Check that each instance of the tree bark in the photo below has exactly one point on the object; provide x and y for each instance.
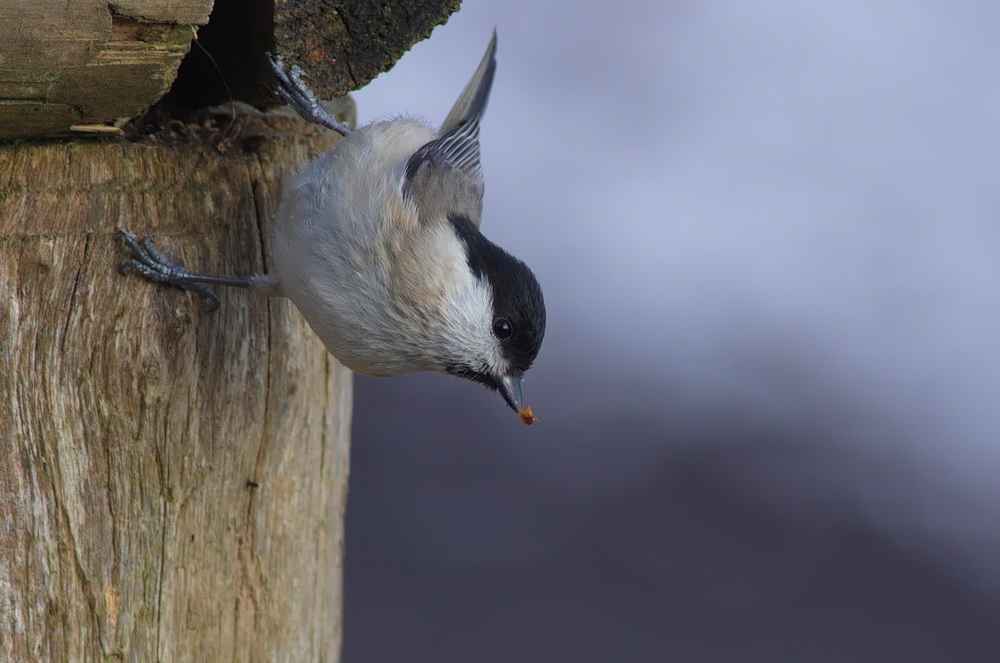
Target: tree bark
(77, 65)
(344, 44)
(134, 425)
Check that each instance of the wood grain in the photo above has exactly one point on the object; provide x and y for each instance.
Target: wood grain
(69, 61)
(131, 421)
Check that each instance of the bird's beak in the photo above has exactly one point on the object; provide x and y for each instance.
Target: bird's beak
(510, 389)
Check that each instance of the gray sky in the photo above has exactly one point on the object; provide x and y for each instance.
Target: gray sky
(789, 207)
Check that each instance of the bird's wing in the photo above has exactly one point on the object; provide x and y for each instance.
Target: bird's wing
(472, 102)
(448, 167)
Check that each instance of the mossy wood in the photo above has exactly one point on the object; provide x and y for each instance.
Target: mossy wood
(172, 482)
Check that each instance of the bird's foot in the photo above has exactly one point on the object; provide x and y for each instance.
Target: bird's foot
(151, 265)
(297, 94)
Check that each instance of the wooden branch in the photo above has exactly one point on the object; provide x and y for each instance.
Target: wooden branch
(350, 42)
(131, 421)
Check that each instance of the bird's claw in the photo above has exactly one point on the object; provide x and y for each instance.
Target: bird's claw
(294, 92)
(151, 265)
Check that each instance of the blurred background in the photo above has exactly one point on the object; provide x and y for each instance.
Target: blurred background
(768, 237)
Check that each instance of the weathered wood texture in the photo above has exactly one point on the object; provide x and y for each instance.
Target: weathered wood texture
(344, 44)
(69, 61)
(83, 63)
(131, 421)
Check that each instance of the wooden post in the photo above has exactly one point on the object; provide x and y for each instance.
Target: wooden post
(172, 482)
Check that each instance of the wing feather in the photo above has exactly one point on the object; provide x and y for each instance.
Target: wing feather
(447, 171)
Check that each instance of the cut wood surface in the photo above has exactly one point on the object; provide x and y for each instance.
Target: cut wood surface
(134, 425)
(69, 61)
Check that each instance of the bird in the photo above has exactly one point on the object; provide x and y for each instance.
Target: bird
(378, 244)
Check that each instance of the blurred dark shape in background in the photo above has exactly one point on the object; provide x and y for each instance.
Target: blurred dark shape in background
(480, 541)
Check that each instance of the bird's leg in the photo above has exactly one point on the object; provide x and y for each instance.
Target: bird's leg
(151, 265)
(297, 94)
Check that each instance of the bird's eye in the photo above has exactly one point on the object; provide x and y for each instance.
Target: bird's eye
(502, 328)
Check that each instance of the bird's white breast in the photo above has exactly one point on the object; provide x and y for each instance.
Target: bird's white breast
(342, 240)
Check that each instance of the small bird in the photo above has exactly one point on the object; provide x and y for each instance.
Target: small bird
(377, 243)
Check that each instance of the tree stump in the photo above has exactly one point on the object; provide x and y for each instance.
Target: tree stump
(172, 482)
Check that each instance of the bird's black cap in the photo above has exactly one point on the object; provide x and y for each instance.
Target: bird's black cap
(517, 296)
